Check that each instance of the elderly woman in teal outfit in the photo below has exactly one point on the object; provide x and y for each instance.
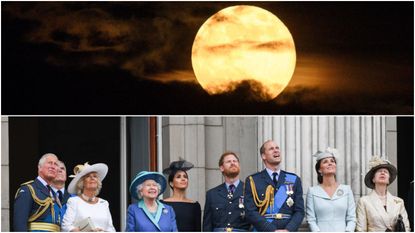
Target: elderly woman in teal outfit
(149, 214)
(330, 206)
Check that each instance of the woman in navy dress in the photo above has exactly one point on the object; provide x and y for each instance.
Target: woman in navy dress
(188, 212)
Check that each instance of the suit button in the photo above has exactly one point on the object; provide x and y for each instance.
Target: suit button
(217, 208)
(229, 224)
(230, 202)
(230, 213)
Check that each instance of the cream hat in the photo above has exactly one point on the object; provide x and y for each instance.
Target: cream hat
(376, 163)
(81, 170)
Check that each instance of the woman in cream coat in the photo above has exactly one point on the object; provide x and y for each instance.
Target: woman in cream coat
(330, 206)
(379, 210)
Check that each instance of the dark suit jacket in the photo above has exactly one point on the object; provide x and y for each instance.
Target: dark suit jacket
(24, 206)
(262, 180)
(220, 210)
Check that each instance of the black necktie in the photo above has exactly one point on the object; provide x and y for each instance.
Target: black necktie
(274, 178)
(231, 188)
(60, 196)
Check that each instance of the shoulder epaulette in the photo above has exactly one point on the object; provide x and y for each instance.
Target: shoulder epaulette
(26, 183)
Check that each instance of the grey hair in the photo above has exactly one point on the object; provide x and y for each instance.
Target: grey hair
(140, 186)
(42, 160)
(80, 186)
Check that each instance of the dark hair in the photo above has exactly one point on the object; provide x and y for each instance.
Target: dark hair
(172, 174)
(222, 157)
(319, 176)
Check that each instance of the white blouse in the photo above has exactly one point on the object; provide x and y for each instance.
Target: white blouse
(79, 209)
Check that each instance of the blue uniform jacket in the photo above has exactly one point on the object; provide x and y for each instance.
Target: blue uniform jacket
(260, 223)
(221, 212)
(25, 206)
(138, 221)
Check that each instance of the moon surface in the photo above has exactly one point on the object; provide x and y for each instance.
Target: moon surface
(244, 44)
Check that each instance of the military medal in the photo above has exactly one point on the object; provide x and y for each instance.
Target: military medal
(289, 189)
(241, 202)
(290, 201)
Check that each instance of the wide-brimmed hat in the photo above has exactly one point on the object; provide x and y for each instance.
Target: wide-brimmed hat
(328, 152)
(181, 165)
(145, 175)
(82, 169)
(376, 163)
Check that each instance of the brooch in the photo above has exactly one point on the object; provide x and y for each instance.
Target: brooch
(340, 192)
(165, 211)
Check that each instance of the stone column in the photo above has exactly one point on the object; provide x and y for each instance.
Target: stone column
(356, 139)
(5, 205)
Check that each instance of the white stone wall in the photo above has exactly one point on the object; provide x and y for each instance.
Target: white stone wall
(5, 205)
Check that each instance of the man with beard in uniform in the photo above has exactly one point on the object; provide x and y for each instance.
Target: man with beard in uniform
(273, 197)
(224, 207)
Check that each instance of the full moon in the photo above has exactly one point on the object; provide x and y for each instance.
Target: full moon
(244, 44)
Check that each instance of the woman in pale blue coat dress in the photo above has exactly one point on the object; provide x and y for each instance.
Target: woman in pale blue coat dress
(330, 206)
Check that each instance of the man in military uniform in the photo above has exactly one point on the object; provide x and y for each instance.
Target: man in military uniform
(273, 197)
(224, 207)
(35, 207)
(58, 186)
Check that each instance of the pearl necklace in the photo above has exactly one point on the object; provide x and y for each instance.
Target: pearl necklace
(88, 199)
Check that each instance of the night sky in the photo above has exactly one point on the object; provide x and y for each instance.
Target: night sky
(134, 58)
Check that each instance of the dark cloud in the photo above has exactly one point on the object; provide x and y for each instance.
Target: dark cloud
(275, 45)
(135, 58)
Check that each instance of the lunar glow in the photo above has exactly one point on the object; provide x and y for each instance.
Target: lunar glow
(244, 43)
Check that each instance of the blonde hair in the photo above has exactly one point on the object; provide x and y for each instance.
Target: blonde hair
(80, 186)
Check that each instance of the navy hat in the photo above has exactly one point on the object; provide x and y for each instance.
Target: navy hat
(145, 175)
(181, 165)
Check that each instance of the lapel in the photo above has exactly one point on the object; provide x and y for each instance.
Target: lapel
(43, 189)
(281, 179)
(266, 178)
(222, 191)
(377, 204)
(319, 192)
(391, 206)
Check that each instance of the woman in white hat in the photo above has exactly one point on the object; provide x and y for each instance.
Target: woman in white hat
(86, 211)
(330, 205)
(149, 214)
(380, 210)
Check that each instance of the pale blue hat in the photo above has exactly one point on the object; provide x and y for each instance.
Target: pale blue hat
(329, 152)
(145, 175)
